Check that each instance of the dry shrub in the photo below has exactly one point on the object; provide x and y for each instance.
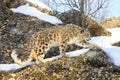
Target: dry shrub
(110, 22)
(116, 44)
(96, 30)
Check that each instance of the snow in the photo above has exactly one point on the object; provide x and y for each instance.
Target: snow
(113, 52)
(104, 41)
(39, 3)
(77, 52)
(71, 54)
(9, 67)
(31, 11)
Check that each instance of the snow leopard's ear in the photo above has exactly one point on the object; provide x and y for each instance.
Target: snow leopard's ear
(82, 31)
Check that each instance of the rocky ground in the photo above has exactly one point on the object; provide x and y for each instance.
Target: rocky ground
(15, 29)
(77, 68)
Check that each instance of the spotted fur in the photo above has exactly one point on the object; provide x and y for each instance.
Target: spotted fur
(42, 41)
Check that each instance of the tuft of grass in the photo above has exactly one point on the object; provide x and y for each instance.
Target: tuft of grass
(116, 44)
(97, 30)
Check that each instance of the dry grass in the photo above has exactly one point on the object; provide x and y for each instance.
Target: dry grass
(116, 44)
(97, 30)
(110, 22)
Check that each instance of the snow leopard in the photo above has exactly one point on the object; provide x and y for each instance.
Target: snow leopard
(40, 43)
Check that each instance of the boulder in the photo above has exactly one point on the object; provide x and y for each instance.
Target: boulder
(73, 16)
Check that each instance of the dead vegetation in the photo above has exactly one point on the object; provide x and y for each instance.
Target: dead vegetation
(116, 44)
(110, 22)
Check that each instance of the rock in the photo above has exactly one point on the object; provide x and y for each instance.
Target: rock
(19, 29)
(73, 16)
(14, 3)
(92, 65)
(97, 57)
(15, 29)
(5, 14)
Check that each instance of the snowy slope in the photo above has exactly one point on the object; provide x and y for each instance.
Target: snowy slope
(9, 67)
(105, 43)
(28, 10)
(114, 54)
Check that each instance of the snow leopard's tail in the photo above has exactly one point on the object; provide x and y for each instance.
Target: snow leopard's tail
(20, 61)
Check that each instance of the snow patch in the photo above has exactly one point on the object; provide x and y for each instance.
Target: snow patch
(77, 52)
(106, 44)
(71, 54)
(31, 11)
(114, 54)
(9, 67)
